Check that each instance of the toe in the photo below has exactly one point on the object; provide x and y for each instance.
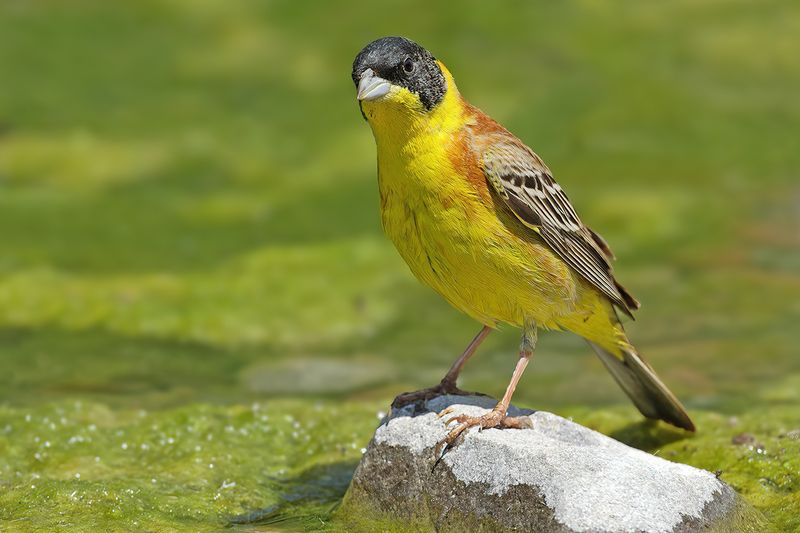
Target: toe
(461, 419)
(445, 412)
(456, 432)
(517, 422)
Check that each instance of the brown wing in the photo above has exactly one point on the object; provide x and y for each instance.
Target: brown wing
(521, 178)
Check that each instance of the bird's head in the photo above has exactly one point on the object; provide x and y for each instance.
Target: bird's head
(397, 78)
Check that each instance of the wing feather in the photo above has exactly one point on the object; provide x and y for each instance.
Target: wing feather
(525, 183)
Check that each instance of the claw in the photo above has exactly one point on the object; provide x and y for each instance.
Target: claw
(444, 412)
(461, 419)
(450, 421)
(444, 445)
(440, 456)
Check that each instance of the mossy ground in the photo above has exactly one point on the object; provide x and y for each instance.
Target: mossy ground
(286, 464)
(189, 243)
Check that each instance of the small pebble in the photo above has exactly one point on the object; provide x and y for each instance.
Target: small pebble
(743, 438)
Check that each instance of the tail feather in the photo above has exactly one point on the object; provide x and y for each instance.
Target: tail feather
(644, 388)
(632, 303)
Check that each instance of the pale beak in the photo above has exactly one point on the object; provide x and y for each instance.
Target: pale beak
(371, 86)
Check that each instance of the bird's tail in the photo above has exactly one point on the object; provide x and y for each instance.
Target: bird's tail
(643, 387)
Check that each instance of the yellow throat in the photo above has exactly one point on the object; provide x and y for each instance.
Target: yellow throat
(399, 117)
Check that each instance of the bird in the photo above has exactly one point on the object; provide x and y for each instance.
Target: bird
(478, 217)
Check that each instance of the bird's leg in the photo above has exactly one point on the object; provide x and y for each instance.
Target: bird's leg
(496, 418)
(448, 383)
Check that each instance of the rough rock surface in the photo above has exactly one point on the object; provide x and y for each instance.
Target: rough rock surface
(558, 476)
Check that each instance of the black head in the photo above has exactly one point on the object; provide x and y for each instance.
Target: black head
(405, 63)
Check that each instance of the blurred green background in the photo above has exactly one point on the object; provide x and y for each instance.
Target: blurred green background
(200, 317)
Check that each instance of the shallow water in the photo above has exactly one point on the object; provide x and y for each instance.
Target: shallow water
(200, 320)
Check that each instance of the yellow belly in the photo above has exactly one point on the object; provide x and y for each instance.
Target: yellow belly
(483, 262)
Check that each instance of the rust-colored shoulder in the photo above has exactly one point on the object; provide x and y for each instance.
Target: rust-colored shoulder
(481, 124)
(486, 132)
(465, 154)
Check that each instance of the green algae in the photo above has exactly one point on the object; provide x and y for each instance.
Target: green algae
(200, 467)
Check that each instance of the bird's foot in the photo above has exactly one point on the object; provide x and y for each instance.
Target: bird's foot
(496, 418)
(423, 395)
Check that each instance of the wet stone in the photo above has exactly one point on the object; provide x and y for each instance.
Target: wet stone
(557, 476)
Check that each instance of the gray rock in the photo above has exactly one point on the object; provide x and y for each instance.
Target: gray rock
(558, 476)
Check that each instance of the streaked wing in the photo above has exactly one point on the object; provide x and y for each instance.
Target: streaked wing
(525, 183)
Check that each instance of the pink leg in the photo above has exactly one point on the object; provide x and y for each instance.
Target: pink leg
(455, 369)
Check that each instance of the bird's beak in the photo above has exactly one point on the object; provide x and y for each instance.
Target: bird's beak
(371, 86)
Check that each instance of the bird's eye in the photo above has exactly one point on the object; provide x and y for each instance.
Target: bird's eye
(408, 65)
